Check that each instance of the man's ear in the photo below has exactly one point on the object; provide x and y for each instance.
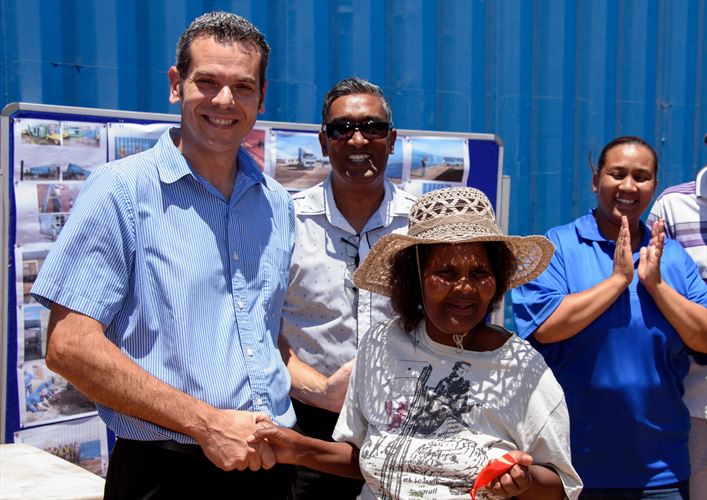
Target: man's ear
(595, 181)
(261, 107)
(392, 136)
(323, 143)
(175, 92)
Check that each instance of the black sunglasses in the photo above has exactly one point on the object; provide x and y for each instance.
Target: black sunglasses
(343, 130)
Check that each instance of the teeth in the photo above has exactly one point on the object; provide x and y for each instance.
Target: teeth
(625, 201)
(220, 122)
(359, 157)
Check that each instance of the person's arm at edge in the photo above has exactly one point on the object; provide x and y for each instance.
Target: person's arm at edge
(312, 387)
(78, 349)
(578, 310)
(291, 447)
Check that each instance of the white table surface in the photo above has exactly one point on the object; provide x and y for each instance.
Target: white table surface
(29, 473)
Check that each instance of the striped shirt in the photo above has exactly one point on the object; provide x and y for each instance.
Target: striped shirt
(684, 208)
(190, 285)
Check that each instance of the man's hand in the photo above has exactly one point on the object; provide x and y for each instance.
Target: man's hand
(225, 441)
(336, 386)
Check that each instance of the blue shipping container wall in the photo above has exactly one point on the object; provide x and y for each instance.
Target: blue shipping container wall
(554, 79)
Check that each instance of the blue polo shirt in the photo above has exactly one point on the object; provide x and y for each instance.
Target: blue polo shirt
(622, 375)
(189, 285)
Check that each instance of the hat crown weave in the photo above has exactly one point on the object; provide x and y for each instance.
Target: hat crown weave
(452, 206)
(452, 215)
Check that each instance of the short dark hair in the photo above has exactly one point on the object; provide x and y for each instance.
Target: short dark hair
(406, 298)
(351, 86)
(225, 27)
(619, 141)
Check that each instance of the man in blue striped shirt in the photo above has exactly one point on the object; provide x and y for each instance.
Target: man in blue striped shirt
(167, 283)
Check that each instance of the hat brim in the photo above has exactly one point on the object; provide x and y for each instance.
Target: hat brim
(532, 253)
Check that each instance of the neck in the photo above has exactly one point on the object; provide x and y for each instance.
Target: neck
(218, 168)
(358, 203)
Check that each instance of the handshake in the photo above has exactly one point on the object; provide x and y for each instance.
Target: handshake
(240, 440)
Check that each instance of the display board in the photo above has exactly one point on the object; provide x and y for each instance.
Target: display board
(47, 154)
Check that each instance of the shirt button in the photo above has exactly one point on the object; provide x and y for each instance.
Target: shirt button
(235, 256)
(241, 305)
(259, 401)
(249, 352)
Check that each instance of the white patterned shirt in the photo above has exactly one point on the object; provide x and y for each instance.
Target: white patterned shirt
(428, 418)
(324, 316)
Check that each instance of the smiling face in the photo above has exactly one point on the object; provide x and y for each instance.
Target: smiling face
(220, 99)
(625, 186)
(357, 161)
(458, 285)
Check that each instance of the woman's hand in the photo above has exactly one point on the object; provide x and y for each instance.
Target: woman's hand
(282, 441)
(291, 447)
(623, 255)
(649, 263)
(516, 480)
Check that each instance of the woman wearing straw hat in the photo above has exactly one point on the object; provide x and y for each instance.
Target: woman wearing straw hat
(437, 394)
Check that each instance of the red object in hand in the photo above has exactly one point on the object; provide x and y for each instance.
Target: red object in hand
(493, 470)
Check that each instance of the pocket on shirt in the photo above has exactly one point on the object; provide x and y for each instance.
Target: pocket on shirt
(276, 264)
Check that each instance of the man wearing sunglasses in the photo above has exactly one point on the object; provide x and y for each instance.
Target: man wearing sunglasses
(338, 221)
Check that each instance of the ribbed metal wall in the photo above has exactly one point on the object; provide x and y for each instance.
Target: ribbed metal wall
(554, 79)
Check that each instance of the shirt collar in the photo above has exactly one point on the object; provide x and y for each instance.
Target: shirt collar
(172, 165)
(588, 229)
(390, 207)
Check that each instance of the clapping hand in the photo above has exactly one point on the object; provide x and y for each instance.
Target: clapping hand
(649, 263)
(623, 255)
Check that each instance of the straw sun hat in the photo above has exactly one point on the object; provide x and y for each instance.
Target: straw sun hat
(453, 215)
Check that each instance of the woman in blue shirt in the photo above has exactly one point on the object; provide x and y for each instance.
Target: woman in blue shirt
(612, 315)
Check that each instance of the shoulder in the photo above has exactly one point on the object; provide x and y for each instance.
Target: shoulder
(566, 234)
(570, 227)
(674, 252)
(125, 176)
(278, 191)
(678, 190)
(531, 361)
(522, 348)
(310, 200)
(402, 200)
(383, 333)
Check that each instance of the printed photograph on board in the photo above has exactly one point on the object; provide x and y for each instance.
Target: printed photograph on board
(43, 209)
(299, 163)
(254, 143)
(28, 261)
(39, 132)
(438, 159)
(82, 442)
(125, 139)
(32, 333)
(418, 188)
(47, 397)
(82, 134)
(46, 150)
(395, 169)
